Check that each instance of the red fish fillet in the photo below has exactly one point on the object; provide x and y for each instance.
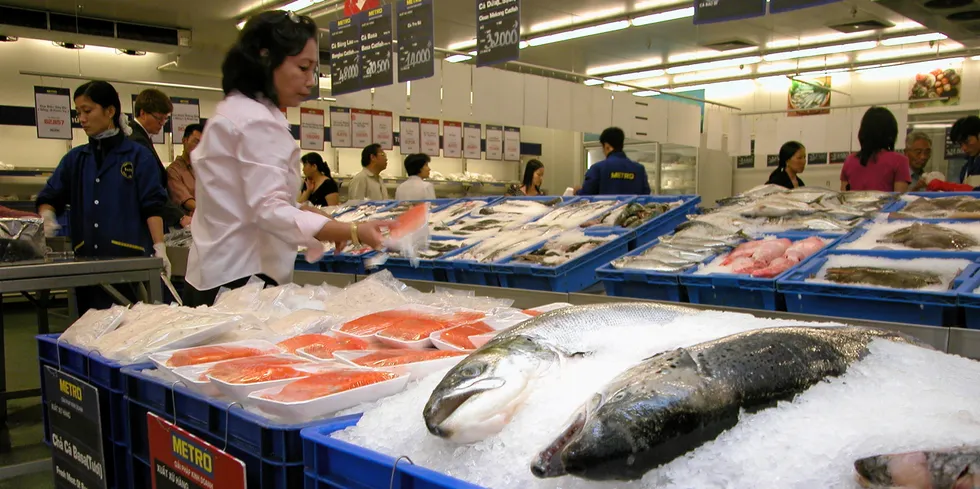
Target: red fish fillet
(322, 342)
(460, 335)
(325, 384)
(256, 369)
(211, 354)
(390, 358)
(372, 323)
(415, 329)
(410, 221)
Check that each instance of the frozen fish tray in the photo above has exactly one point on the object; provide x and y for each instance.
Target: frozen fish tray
(330, 462)
(385, 205)
(900, 204)
(490, 200)
(262, 439)
(742, 290)
(664, 223)
(929, 308)
(573, 276)
(858, 233)
(642, 284)
(402, 268)
(466, 271)
(969, 298)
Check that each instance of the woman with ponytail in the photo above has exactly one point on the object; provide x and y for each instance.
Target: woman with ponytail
(792, 162)
(113, 188)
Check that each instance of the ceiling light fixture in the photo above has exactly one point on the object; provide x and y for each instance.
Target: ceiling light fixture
(69, 45)
(711, 75)
(593, 82)
(894, 53)
(646, 93)
(131, 52)
(617, 88)
(805, 53)
(573, 19)
(826, 61)
(650, 4)
(723, 63)
(639, 75)
(708, 54)
(8, 38)
(241, 25)
(632, 65)
(577, 33)
(682, 13)
(456, 58)
(804, 41)
(898, 41)
(461, 45)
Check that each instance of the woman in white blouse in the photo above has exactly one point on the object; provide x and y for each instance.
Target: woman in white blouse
(416, 188)
(247, 222)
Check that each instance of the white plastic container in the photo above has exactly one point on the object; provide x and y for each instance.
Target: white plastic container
(482, 339)
(302, 411)
(162, 359)
(417, 370)
(194, 379)
(240, 392)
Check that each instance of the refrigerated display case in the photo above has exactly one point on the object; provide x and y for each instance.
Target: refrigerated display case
(671, 169)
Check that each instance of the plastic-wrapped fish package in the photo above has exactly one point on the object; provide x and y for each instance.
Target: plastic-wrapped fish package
(303, 321)
(408, 235)
(446, 297)
(92, 325)
(378, 292)
(218, 352)
(240, 299)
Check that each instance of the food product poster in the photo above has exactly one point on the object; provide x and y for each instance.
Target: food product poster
(812, 95)
(52, 107)
(381, 130)
(430, 136)
(311, 129)
(452, 135)
(939, 87)
(408, 128)
(340, 127)
(362, 127)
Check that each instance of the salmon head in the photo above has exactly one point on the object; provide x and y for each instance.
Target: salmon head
(480, 395)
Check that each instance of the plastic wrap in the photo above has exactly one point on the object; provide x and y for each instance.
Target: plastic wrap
(327, 383)
(303, 321)
(240, 299)
(378, 292)
(466, 299)
(256, 369)
(92, 325)
(321, 346)
(21, 238)
(410, 234)
(214, 353)
(323, 394)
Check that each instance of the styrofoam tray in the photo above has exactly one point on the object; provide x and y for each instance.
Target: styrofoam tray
(417, 370)
(162, 358)
(197, 338)
(191, 377)
(241, 391)
(497, 323)
(482, 339)
(318, 408)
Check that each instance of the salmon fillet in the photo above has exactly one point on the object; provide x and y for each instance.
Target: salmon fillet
(211, 354)
(256, 369)
(325, 384)
(460, 335)
(390, 358)
(322, 342)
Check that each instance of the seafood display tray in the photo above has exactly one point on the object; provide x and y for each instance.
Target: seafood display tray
(426, 270)
(330, 462)
(572, 276)
(900, 204)
(928, 308)
(641, 284)
(664, 223)
(741, 290)
(969, 300)
(902, 253)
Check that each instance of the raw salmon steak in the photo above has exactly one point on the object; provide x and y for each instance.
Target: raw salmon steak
(391, 358)
(211, 354)
(460, 335)
(327, 383)
(322, 342)
(256, 369)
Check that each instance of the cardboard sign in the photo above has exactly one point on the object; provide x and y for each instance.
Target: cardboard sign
(382, 131)
(495, 142)
(452, 139)
(512, 144)
(410, 134)
(362, 125)
(430, 137)
(180, 460)
(187, 111)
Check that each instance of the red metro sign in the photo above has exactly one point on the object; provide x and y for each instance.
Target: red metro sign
(352, 7)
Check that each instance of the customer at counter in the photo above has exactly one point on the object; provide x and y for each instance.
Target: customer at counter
(247, 221)
(877, 166)
(113, 188)
(792, 162)
(966, 133)
(531, 183)
(415, 187)
(319, 188)
(151, 111)
(180, 173)
(918, 149)
(367, 184)
(617, 174)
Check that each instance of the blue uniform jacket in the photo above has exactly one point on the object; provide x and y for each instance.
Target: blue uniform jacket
(109, 205)
(616, 175)
(972, 167)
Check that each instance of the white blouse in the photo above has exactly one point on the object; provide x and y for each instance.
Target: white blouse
(248, 177)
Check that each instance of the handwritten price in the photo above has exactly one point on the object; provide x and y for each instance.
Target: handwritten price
(496, 39)
(376, 67)
(346, 73)
(412, 59)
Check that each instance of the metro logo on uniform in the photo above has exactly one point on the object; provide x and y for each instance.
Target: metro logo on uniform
(620, 175)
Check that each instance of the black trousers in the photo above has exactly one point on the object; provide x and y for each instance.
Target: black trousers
(196, 298)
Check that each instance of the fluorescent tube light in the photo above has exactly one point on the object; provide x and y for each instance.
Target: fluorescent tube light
(461, 45)
(898, 41)
(617, 88)
(894, 53)
(804, 41)
(723, 63)
(593, 82)
(632, 65)
(708, 54)
(805, 53)
(635, 76)
(682, 13)
(573, 19)
(577, 33)
(711, 75)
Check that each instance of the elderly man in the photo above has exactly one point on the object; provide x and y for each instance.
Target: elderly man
(918, 149)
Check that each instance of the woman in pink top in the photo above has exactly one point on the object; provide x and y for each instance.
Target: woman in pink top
(877, 166)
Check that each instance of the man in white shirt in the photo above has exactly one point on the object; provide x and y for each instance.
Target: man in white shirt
(416, 188)
(367, 185)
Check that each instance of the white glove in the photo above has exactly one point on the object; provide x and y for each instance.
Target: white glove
(51, 226)
(160, 251)
(929, 177)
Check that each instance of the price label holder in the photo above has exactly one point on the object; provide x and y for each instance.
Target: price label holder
(345, 56)
(376, 47)
(74, 415)
(415, 40)
(180, 460)
(52, 110)
(498, 31)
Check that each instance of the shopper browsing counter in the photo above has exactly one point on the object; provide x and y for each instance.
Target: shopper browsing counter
(415, 187)
(792, 162)
(319, 188)
(367, 184)
(877, 166)
(247, 221)
(533, 178)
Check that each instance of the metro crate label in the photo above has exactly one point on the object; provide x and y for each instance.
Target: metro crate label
(76, 431)
(180, 460)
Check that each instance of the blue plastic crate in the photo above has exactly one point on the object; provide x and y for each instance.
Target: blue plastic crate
(259, 472)
(248, 431)
(740, 290)
(666, 222)
(104, 374)
(859, 232)
(334, 463)
(641, 284)
(573, 276)
(969, 299)
(927, 308)
(426, 270)
(900, 204)
(304, 266)
(349, 263)
(490, 200)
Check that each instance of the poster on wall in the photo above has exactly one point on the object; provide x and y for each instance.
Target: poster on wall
(708, 11)
(187, 111)
(376, 48)
(495, 142)
(409, 132)
(452, 139)
(816, 158)
(430, 136)
(809, 97)
(498, 31)
(416, 51)
(361, 124)
(345, 56)
(382, 132)
(340, 127)
(512, 144)
(939, 87)
(745, 161)
(52, 110)
(311, 129)
(779, 6)
(352, 7)
(772, 160)
(839, 157)
(472, 140)
(159, 137)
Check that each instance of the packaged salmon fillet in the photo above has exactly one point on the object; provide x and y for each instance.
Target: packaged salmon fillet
(257, 369)
(303, 321)
(410, 233)
(328, 383)
(419, 328)
(211, 354)
(391, 358)
(458, 338)
(322, 343)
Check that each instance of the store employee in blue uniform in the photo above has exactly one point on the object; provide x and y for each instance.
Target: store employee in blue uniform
(113, 187)
(617, 174)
